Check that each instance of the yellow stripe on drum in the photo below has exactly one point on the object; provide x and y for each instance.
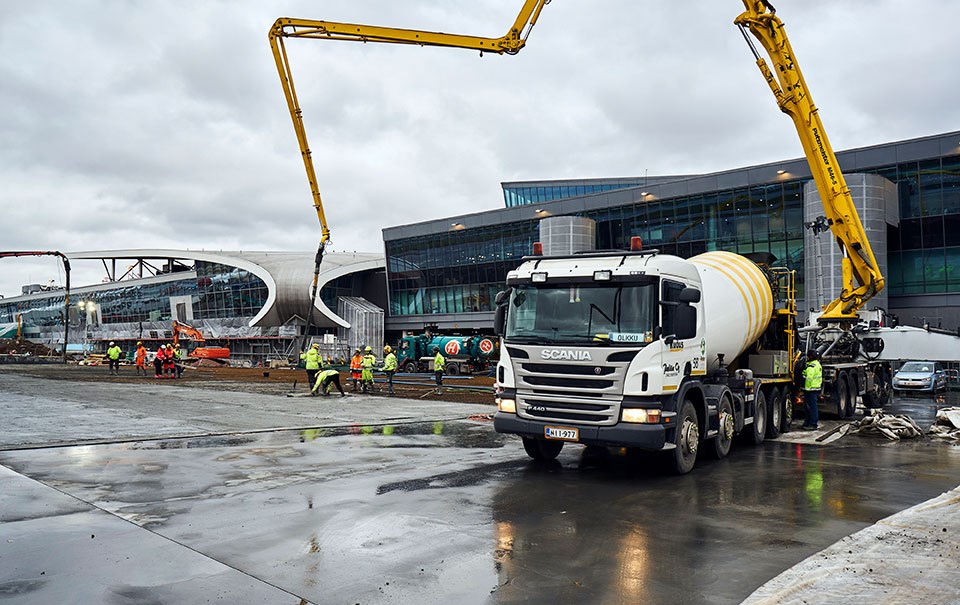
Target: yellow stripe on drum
(713, 263)
(757, 284)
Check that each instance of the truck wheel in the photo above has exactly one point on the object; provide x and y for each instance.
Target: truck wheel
(786, 419)
(758, 430)
(775, 415)
(852, 389)
(541, 449)
(841, 394)
(687, 439)
(453, 369)
(879, 396)
(409, 367)
(725, 426)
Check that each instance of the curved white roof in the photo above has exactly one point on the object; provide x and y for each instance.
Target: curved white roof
(287, 275)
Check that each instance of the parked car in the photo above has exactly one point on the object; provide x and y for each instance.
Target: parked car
(927, 376)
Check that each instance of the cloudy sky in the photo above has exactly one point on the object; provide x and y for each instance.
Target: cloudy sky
(136, 124)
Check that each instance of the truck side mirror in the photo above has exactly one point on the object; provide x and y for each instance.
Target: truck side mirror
(502, 297)
(686, 322)
(500, 320)
(689, 295)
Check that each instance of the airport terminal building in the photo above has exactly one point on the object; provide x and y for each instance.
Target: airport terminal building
(446, 272)
(254, 303)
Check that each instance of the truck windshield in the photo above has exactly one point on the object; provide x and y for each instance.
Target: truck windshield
(586, 314)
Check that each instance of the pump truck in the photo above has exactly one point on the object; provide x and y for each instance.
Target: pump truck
(650, 351)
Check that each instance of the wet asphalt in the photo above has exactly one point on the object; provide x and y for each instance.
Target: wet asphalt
(115, 493)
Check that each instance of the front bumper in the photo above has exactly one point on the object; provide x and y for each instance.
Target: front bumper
(913, 386)
(651, 437)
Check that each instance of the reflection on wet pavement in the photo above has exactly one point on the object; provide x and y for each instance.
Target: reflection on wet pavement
(443, 512)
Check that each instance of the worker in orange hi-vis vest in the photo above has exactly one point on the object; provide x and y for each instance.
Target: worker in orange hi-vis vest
(356, 367)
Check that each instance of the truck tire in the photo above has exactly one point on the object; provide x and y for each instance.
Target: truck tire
(775, 415)
(757, 431)
(841, 395)
(453, 369)
(725, 427)
(410, 367)
(541, 449)
(686, 439)
(879, 396)
(852, 389)
(786, 419)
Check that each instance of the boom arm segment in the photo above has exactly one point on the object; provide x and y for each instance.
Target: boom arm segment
(510, 44)
(861, 274)
(182, 328)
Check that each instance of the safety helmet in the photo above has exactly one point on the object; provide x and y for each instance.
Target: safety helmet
(387, 349)
(316, 345)
(139, 343)
(169, 346)
(176, 346)
(111, 343)
(368, 349)
(357, 350)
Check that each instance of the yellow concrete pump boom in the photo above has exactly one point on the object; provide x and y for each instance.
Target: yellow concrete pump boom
(861, 274)
(510, 43)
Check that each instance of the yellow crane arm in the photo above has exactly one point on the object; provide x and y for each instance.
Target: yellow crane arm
(861, 274)
(510, 44)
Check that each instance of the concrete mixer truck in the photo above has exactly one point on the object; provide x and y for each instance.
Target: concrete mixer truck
(645, 350)
(655, 352)
(463, 354)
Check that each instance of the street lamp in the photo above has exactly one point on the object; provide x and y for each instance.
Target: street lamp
(83, 306)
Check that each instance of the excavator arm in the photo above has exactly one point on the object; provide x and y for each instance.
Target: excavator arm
(510, 44)
(861, 274)
(188, 331)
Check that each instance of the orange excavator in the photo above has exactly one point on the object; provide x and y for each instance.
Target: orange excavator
(200, 352)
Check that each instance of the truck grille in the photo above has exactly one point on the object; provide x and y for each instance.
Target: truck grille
(582, 392)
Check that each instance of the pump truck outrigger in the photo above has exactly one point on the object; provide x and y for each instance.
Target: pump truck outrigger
(650, 351)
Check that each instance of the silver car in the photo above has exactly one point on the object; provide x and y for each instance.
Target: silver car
(926, 376)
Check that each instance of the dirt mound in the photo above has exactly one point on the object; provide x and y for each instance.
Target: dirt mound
(9, 346)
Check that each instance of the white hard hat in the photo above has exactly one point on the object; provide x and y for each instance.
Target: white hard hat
(111, 343)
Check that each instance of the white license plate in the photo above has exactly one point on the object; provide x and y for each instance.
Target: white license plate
(561, 433)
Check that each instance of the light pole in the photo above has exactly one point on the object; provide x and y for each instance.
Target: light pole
(82, 306)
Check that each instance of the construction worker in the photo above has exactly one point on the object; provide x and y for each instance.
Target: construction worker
(113, 355)
(168, 363)
(141, 359)
(366, 375)
(389, 366)
(439, 364)
(177, 356)
(312, 361)
(812, 383)
(356, 367)
(159, 360)
(327, 379)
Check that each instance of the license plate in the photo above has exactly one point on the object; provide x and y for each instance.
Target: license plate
(561, 433)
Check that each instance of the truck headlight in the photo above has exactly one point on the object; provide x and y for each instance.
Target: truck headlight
(507, 405)
(640, 415)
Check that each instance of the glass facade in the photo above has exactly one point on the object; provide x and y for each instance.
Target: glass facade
(461, 270)
(924, 251)
(217, 291)
(224, 291)
(533, 194)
